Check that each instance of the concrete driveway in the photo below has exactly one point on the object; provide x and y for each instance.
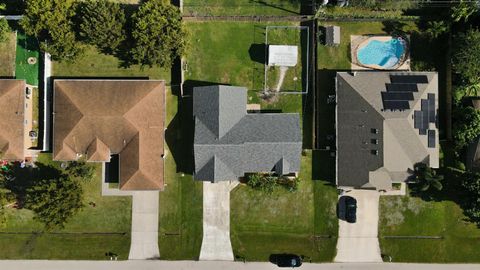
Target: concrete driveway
(216, 245)
(144, 241)
(358, 242)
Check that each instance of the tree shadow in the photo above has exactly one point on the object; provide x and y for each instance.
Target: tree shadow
(394, 28)
(257, 53)
(20, 179)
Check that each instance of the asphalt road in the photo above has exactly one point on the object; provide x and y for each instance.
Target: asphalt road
(215, 265)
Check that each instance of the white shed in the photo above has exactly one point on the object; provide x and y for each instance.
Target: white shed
(282, 55)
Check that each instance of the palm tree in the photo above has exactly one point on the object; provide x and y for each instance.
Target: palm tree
(427, 177)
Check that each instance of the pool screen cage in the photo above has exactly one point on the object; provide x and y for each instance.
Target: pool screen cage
(285, 45)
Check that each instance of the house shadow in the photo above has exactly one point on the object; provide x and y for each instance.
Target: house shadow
(179, 134)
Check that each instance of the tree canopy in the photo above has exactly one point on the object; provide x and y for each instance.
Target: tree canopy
(158, 34)
(4, 27)
(50, 21)
(55, 200)
(102, 24)
(467, 56)
(466, 126)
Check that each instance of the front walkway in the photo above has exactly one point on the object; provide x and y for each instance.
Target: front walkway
(216, 245)
(358, 242)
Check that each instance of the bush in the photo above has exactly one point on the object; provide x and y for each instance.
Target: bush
(268, 182)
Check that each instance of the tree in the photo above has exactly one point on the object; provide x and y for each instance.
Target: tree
(427, 177)
(102, 24)
(471, 184)
(4, 28)
(466, 126)
(158, 34)
(54, 201)
(467, 56)
(463, 10)
(436, 29)
(81, 170)
(50, 21)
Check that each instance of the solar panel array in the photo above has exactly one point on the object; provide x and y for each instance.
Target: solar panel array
(400, 91)
(423, 118)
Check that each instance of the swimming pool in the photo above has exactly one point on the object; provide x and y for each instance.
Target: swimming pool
(385, 54)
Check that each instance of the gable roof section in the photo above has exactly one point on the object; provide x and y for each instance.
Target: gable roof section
(103, 117)
(12, 117)
(254, 142)
(376, 139)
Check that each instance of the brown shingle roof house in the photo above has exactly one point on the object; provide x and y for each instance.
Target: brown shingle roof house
(95, 119)
(12, 118)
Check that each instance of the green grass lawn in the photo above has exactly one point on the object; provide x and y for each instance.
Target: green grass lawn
(409, 216)
(88, 235)
(243, 7)
(27, 47)
(234, 53)
(301, 222)
(7, 56)
(95, 64)
(181, 203)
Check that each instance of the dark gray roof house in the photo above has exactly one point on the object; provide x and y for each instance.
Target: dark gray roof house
(230, 142)
(386, 123)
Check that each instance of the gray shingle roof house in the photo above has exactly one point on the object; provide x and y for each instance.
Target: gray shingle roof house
(230, 142)
(386, 123)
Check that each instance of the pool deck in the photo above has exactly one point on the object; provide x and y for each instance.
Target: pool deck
(356, 40)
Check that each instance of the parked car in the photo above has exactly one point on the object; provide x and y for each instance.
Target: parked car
(350, 209)
(286, 260)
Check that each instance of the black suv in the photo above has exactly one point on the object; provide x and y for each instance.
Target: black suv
(286, 260)
(350, 209)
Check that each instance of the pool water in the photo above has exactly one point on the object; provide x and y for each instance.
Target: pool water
(382, 53)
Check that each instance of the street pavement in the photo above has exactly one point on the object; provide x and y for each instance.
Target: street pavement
(215, 265)
(358, 242)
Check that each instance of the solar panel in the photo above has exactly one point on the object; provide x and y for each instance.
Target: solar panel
(402, 87)
(396, 105)
(431, 138)
(408, 79)
(431, 108)
(425, 109)
(418, 119)
(397, 96)
(422, 132)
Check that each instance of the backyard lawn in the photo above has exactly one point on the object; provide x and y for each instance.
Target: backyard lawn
(7, 56)
(181, 203)
(243, 65)
(27, 48)
(243, 7)
(90, 234)
(410, 216)
(95, 64)
(302, 222)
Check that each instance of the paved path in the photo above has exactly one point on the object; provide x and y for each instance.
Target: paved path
(215, 265)
(144, 241)
(216, 222)
(358, 242)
